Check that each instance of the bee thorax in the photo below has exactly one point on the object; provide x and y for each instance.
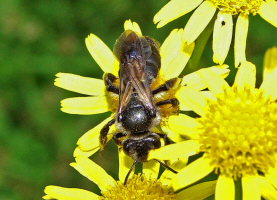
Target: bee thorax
(137, 118)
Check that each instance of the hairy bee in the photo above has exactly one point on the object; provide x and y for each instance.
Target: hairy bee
(137, 113)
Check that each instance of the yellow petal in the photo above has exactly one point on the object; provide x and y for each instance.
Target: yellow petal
(174, 54)
(184, 107)
(174, 9)
(220, 70)
(198, 21)
(125, 164)
(167, 175)
(151, 169)
(90, 140)
(222, 36)
(80, 84)
(184, 125)
(240, 38)
(174, 151)
(128, 25)
(78, 152)
(246, 75)
(193, 99)
(93, 172)
(250, 188)
(208, 95)
(102, 55)
(170, 48)
(199, 191)
(179, 62)
(268, 10)
(214, 82)
(192, 173)
(85, 105)
(195, 81)
(266, 189)
(272, 177)
(56, 192)
(225, 188)
(269, 84)
(174, 136)
(270, 61)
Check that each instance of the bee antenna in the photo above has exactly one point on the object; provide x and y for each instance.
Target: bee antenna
(129, 172)
(166, 166)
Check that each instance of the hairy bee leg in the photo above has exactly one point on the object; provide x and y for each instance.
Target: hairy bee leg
(104, 132)
(165, 87)
(174, 102)
(165, 138)
(109, 80)
(116, 138)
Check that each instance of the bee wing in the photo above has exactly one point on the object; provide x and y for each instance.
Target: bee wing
(136, 82)
(129, 38)
(131, 51)
(125, 92)
(140, 83)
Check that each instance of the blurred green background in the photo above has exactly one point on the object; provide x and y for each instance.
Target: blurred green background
(41, 38)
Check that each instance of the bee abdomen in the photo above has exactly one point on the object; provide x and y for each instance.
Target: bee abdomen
(153, 62)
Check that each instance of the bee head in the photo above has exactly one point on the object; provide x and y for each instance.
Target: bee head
(139, 148)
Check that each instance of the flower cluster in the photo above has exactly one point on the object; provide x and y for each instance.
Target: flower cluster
(233, 136)
(236, 134)
(223, 26)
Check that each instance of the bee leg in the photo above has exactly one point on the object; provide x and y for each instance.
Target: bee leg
(166, 86)
(174, 102)
(104, 132)
(166, 142)
(116, 138)
(109, 82)
(165, 138)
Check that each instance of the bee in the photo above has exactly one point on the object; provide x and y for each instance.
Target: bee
(137, 113)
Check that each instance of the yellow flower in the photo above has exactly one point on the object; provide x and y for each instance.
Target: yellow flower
(223, 27)
(236, 133)
(141, 186)
(174, 56)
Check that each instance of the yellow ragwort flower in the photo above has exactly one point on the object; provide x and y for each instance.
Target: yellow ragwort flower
(223, 27)
(174, 56)
(236, 133)
(140, 187)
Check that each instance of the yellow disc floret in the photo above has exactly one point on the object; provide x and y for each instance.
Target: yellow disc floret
(238, 132)
(140, 188)
(238, 6)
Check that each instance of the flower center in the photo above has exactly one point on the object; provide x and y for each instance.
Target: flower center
(238, 132)
(139, 187)
(238, 6)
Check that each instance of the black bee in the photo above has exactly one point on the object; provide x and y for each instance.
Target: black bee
(137, 114)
